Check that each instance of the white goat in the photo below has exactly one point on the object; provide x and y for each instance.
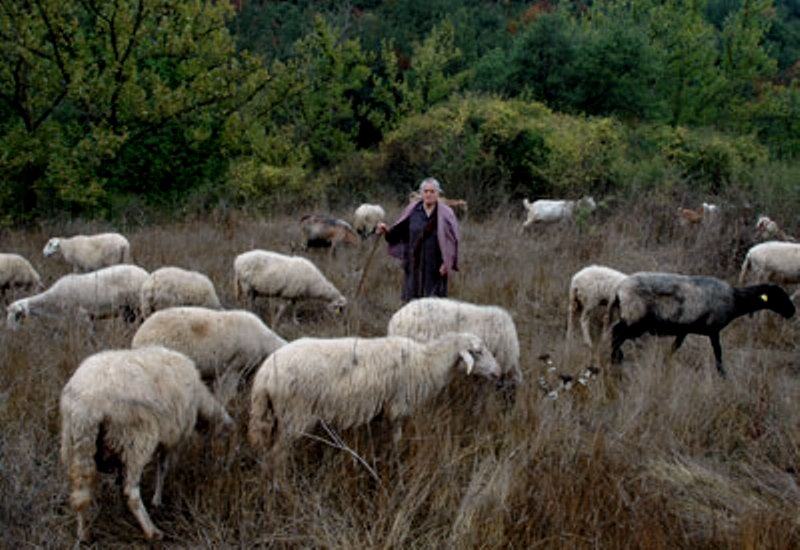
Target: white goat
(551, 211)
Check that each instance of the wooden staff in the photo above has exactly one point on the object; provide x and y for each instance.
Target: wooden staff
(361, 281)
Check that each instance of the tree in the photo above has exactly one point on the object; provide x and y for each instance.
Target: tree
(105, 97)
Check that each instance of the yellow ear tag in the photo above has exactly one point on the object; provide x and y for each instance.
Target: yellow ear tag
(764, 297)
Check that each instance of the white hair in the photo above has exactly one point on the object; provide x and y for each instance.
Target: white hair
(433, 181)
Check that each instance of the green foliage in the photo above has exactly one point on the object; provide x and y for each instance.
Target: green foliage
(775, 118)
(710, 161)
(114, 98)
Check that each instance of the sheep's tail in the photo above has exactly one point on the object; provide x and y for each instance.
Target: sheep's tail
(746, 266)
(147, 300)
(263, 422)
(80, 432)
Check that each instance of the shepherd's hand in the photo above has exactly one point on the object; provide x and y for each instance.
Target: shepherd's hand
(443, 270)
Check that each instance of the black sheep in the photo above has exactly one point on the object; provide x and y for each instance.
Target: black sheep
(668, 304)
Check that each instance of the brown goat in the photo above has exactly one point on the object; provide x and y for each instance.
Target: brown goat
(326, 232)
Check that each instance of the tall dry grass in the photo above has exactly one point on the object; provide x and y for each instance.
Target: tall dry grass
(656, 454)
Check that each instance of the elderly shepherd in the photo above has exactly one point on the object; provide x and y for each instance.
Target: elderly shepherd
(425, 239)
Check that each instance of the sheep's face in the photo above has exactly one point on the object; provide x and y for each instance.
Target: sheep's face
(16, 313)
(52, 246)
(479, 360)
(337, 306)
(776, 299)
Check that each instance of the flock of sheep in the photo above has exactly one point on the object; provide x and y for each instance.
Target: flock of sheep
(123, 407)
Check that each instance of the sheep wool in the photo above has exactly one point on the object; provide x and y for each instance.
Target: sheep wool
(348, 381)
(367, 217)
(117, 409)
(428, 318)
(590, 290)
(217, 341)
(270, 274)
(17, 272)
(103, 293)
(774, 262)
(173, 286)
(92, 252)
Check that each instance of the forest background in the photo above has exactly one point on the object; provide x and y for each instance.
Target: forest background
(132, 110)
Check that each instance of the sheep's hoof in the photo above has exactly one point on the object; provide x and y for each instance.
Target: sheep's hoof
(154, 535)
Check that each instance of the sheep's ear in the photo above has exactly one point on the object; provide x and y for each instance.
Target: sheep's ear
(468, 360)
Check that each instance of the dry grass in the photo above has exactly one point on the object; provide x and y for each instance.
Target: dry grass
(653, 455)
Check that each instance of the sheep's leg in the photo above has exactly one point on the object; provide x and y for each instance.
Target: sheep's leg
(278, 315)
(82, 478)
(294, 313)
(677, 343)
(717, 352)
(619, 333)
(587, 337)
(161, 471)
(133, 475)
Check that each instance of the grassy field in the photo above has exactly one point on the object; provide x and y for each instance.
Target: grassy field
(656, 454)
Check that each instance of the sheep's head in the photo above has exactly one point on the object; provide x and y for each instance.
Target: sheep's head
(478, 359)
(765, 227)
(52, 246)
(776, 299)
(587, 203)
(337, 306)
(16, 314)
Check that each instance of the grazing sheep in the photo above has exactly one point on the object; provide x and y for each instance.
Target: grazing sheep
(172, 286)
(325, 232)
(366, 219)
(667, 304)
(551, 211)
(459, 206)
(768, 229)
(119, 409)
(346, 382)
(17, 272)
(217, 341)
(772, 262)
(103, 293)
(590, 289)
(427, 318)
(89, 253)
(290, 278)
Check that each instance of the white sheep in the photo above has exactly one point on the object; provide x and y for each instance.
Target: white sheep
(550, 211)
(173, 286)
(428, 318)
(103, 293)
(92, 252)
(772, 261)
(117, 410)
(346, 382)
(291, 278)
(366, 219)
(217, 341)
(590, 289)
(17, 272)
